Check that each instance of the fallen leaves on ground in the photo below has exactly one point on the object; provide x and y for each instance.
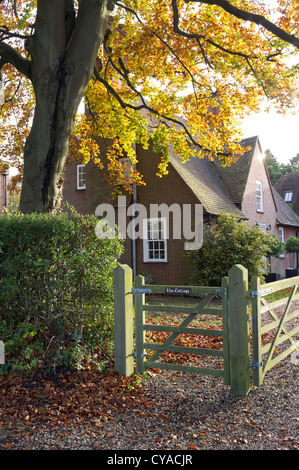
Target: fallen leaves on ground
(71, 397)
(78, 396)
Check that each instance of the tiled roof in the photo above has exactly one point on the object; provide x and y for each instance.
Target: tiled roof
(235, 176)
(285, 215)
(290, 181)
(221, 189)
(201, 177)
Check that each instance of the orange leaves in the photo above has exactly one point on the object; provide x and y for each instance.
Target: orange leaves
(193, 85)
(202, 341)
(220, 63)
(72, 397)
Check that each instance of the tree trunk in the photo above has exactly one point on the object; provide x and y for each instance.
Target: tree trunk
(63, 51)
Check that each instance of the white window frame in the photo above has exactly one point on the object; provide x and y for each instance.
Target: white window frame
(81, 182)
(147, 242)
(259, 196)
(281, 238)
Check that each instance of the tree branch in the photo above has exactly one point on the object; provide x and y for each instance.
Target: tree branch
(5, 32)
(144, 105)
(197, 36)
(9, 55)
(253, 18)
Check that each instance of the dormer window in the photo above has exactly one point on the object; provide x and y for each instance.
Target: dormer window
(289, 195)
(259, 197)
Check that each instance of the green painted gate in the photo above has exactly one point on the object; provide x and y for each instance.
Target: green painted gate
(135, 354)
(205, 295)
(274, 310)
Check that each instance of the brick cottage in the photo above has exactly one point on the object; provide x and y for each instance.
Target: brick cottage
(243, 189)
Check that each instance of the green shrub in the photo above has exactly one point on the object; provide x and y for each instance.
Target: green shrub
(292, 246)
(231, 242)
(56, 289)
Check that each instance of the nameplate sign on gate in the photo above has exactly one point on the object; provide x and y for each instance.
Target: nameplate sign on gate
(177, 290)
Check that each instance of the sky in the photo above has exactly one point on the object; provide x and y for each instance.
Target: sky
(278, 133)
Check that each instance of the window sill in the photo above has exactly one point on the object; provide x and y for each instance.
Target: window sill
(155, 261)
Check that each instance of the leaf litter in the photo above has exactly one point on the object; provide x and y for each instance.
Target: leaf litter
(93, 409)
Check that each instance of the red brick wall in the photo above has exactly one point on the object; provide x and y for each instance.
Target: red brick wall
(281, 264)
(258, 172)
(269, 214)
(170, 189)
(73, 196)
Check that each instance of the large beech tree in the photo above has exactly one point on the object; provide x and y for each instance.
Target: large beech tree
(182, 73)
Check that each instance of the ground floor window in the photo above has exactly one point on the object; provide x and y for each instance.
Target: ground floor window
(281, 237)
(154, 240)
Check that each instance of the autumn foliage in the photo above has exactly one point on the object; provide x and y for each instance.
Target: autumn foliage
(182, 73)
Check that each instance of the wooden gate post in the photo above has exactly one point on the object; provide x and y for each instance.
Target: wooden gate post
(123, 320)
(239, 330)
(139, 322)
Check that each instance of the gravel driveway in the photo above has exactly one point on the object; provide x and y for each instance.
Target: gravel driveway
(186, 412)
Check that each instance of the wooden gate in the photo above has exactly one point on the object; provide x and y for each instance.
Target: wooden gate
(150, 354)
(276, 318)
(137, 351)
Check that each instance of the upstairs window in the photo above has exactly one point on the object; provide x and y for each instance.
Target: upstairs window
(289, 195)
(259, 197)
(154, 241)
(81, 180)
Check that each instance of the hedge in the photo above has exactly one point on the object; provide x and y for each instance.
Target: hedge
(56, 289)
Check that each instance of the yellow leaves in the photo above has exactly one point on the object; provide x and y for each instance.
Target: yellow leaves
(121, 172)
(162, 65)
(147, 64)
(294, 13)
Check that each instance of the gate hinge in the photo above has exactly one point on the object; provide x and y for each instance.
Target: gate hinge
(255, 365)
(255, 293)
(219, 294)
(140, 291)
(134, 354)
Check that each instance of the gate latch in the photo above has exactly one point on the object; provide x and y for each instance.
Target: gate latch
(255, 365)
